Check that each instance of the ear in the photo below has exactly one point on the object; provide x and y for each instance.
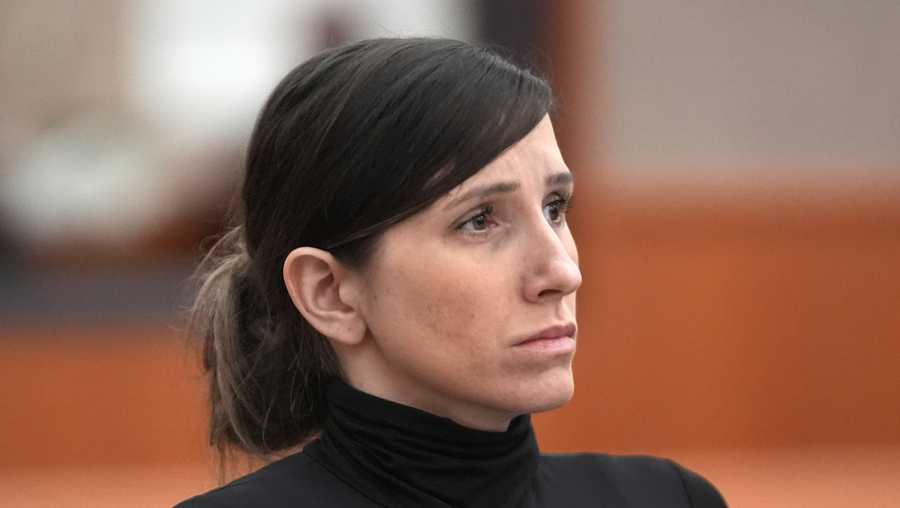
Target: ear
(326, 293)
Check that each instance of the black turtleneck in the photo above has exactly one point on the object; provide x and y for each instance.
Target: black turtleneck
(402, 456)
(377, 453)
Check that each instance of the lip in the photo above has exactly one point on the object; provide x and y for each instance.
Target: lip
(558, 337)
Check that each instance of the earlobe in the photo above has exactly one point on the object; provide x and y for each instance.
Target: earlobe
(314, 280)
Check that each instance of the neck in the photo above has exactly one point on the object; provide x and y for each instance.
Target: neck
(404, 456)
(366, 371)
(409, 393)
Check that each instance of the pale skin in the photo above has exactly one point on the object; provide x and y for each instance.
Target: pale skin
(437, 317)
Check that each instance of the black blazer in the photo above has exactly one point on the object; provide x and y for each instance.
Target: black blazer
(566, 481)
(377, 453)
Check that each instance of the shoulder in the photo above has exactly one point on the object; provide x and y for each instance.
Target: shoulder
(700, 491)
(296, 480)
(635, 480)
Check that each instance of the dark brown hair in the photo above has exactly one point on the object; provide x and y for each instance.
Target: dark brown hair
(353, 140)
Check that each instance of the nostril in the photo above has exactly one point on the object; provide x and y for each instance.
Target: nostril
(549, 293)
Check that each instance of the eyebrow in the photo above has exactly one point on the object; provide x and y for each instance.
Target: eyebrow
(490, 189)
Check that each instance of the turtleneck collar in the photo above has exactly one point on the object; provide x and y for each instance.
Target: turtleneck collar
(398, 455)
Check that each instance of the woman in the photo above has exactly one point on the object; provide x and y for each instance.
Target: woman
(399, 294)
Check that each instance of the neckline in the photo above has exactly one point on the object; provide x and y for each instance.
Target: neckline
(399, 455)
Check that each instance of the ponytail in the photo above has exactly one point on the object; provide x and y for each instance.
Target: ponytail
(266, 374)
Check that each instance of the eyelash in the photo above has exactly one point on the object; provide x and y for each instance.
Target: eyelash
(563, 203)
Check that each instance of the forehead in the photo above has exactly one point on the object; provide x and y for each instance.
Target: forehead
(529, 161)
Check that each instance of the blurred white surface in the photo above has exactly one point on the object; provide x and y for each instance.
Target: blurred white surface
(203, 66)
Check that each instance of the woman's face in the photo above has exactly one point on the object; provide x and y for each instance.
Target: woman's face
(470, 304)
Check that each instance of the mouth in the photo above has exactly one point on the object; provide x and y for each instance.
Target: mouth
(555, 339)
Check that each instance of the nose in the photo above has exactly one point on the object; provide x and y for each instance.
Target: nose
(552, 261)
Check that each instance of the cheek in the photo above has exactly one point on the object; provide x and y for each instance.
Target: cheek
(450, 309)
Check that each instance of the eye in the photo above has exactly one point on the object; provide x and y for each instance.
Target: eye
(555, 211)
(480, 222)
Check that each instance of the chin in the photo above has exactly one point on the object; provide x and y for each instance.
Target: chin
(550, 391)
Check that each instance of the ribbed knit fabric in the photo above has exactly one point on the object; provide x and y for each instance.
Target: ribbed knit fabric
(374, 453)
(402, 456)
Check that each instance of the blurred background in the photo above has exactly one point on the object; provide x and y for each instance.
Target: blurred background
(738, 220)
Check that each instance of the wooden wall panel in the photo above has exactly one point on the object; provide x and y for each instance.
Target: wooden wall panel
(77, 396)
(729, 326)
